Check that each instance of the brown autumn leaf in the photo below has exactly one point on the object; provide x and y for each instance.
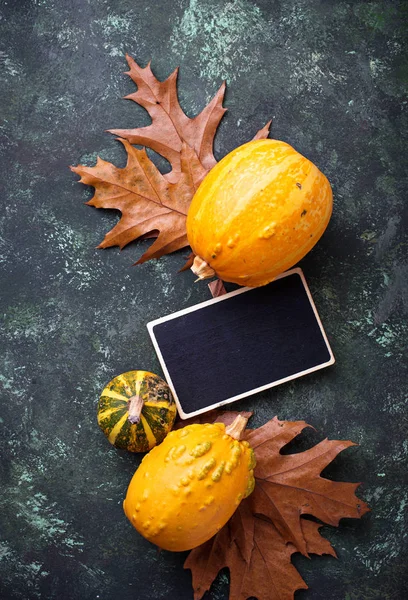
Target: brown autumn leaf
(257, 556)
(170, 126)
(290, 485)
(153, 204)
(217, 288)
(258, 541)
(147, 201)
(263, 133)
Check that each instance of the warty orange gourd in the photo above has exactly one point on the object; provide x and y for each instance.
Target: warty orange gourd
(187, 488)
(257, 213)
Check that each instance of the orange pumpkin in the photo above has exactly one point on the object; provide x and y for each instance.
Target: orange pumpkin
(188, 487)
(257, 213)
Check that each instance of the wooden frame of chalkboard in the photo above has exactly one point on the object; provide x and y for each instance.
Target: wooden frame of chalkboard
(241, 343)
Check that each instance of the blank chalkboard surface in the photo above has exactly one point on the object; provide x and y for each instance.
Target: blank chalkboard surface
(240, 343)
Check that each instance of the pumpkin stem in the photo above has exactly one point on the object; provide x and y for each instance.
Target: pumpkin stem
(202, 269)
(237, 427)
(135, 408)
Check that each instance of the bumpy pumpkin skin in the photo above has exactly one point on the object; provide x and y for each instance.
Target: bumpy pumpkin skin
(157, 416)
(258, 212)
(187, 488)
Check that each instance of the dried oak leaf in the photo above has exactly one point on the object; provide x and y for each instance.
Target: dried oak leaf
(170, 126)
(258, 541)
(147, 201)
(153, 204)
(257, 556)
(288, 486)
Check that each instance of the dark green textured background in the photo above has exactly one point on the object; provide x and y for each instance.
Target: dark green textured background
(333, 75)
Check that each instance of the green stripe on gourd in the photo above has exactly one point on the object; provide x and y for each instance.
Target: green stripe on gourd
(136, 410)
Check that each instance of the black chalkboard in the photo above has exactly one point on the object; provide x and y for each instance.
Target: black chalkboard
(240, 343)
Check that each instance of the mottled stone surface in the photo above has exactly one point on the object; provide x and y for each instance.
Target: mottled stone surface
(333, 75)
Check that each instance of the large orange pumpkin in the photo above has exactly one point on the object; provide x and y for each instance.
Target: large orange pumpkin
(188, 487)
(257, 213)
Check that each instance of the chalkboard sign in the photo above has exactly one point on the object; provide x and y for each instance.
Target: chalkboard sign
(241, 343)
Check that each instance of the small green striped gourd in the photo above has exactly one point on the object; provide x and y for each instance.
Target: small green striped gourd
(136, 410)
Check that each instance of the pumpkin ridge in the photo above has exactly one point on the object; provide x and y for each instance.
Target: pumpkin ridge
(155, 420)
(116, 430)
(133, 438)
(152, 415)
(123, 438)
(106, 402)
(115, 395)
(109, 422)
(151, 439)
(156, 404)
(130, 435)
(103, 415)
